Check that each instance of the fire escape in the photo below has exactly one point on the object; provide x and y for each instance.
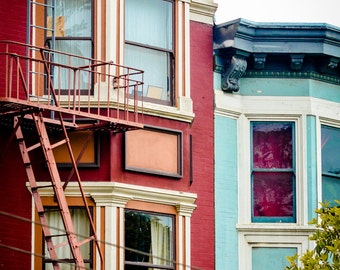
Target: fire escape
(40, 96)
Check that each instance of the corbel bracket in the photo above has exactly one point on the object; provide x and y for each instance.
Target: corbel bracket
(333, 62)
(296, 61)
(234, 70)
(259, 60)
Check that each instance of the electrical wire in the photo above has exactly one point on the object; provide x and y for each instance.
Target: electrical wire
(3, 213)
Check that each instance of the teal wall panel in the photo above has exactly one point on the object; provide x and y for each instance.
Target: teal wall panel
(265, 258)
(311, 166)
(288, 87)
(226, 193)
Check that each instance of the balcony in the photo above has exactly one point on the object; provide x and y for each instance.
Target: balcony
(68, 86)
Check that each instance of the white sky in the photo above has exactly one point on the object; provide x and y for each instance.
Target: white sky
(315, 11)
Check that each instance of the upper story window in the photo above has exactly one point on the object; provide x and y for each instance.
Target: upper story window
(73, 33)
(149, 46)
(151, 236)
(330, 145)
(273, 171)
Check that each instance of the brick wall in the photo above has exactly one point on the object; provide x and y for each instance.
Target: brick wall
(202, 227)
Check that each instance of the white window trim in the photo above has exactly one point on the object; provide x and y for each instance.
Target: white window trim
(183, 110)
(244, 171)
(113, 197)
(275, 238)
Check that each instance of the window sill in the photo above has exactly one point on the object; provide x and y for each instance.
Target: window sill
(183, 112)
(279, 228)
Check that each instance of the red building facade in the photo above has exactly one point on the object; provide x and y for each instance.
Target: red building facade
(143, 179)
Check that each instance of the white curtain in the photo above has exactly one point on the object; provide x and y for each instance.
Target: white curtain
(150, 23)
(82, 228)
(73, 36)
(161, 240)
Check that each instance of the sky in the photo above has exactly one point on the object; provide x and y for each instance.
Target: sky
(310, 11)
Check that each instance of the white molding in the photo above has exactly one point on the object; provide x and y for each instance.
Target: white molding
(244, 186)
(292, 237)
(118, 194)
(278, 105)
(184, 111)
(203, 11)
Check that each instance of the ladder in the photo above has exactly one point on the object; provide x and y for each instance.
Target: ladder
(32, 23)
(57, 186)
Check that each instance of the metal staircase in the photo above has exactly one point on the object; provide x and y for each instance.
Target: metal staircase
(110, 100)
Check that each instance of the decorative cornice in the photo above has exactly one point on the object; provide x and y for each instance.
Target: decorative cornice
(203, 11)
(292, 75)
(234, 69)
(278, 50)
(118, 194)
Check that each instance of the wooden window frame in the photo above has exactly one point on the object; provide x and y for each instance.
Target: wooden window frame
(171, 65)
(274, 219)
(132, 166)
(73, 202)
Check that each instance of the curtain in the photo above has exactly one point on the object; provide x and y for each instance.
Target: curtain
(273, 175)
(149, 41)
(149, 22)
(82, 228)
(73, 35)
(154, 64)
(161, 240)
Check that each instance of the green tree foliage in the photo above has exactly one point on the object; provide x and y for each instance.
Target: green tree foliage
(326, 253)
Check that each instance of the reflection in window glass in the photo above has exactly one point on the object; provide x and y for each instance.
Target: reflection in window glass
(151, 237)
(330, 145)
(273, 176)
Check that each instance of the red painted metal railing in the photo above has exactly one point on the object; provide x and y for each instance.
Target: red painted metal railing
(76, 86)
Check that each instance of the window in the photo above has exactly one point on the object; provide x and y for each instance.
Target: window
(273, 171)
(330, 144)
(73, 34)
(82, 228)
(149, 46)
(152, 235)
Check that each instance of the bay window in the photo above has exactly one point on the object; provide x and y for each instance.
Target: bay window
(330, 145)
(149, 240)
(273, 171)
(149, 46)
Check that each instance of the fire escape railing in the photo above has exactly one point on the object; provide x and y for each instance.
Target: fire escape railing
(76, 86)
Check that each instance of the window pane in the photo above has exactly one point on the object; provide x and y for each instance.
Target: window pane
(149, 22)
(330, 189)
(151, 234)
(330, 142)
(272, 145)
(77, 47)
(155, 64)
(82, 228)
(273, 194)
(73, 18)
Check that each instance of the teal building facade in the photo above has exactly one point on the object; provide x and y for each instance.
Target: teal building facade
(277, 138)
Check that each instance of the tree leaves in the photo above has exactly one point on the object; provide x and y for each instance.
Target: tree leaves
(326, 253)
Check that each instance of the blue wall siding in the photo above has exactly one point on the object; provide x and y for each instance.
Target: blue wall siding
(288, 87)
(311, 167)
(271, 258)
(226, 193)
